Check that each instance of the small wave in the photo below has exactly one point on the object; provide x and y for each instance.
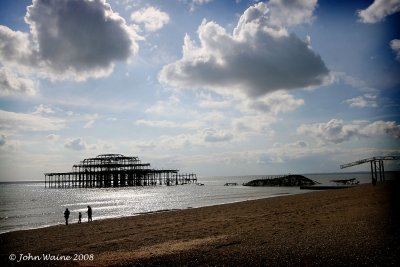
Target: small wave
(92, 203)
(22, 216)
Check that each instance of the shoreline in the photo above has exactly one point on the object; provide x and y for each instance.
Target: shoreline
(335, 227)
(85, 221)
(155, 211)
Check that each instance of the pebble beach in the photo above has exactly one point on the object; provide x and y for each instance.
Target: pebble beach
(355, 226)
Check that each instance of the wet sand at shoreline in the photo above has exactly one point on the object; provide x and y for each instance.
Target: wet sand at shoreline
(356, 226)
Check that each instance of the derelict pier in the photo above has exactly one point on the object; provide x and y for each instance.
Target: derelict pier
(376, 166)
(115, 170)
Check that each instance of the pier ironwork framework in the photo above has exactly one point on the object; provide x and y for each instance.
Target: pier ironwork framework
(377, 167)
(115, 170)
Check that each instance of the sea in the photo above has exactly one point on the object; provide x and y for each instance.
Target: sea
(30, 205)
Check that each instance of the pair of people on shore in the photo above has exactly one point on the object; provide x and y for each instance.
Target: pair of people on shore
(89, 212)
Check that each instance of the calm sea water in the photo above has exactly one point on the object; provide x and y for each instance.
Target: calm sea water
(30, 205)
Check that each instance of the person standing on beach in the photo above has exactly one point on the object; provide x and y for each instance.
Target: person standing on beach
(80, 217)
(66, 216)
(89, 213)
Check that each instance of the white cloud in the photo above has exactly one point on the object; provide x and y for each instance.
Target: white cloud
(129, 4)
(353, 81)
(276, 102)
(363, 101)
(280, 153)
(42, 109)
(91, 120)
(172, 105)
(194, 3)
(208, 118)
(101, 146)
(12, 84)
(213, 136)
(389, 128)
(177, 142)
(75, 144)
(153, 123)
(289, 13)
(2, 140)
(89, 124)
(13, 122)
(196, 123)
(254, 124)
(16, 48)
(66, 44)
(256, 114)
(202, 137)
(252, 117)
(214, 104)
(143, 146)
(378, 10)
(53, 137)
(201, 2)
(336, 131)
(152, 18)
(256, 59)
(333, 131)
(297, 144)
(395, 45)
(207, 101)
(107, 146)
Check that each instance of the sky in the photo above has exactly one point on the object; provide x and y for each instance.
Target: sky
(210, 87)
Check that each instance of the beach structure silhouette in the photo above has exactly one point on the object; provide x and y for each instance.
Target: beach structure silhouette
(377, 166)
(66, 215)
(89, 213)
(115, 170)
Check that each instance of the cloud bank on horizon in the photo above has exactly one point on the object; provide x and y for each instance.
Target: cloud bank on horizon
(207, 86)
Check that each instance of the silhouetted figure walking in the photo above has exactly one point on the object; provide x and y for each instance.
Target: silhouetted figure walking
(66, 216)
(80, 217)
(89, 213)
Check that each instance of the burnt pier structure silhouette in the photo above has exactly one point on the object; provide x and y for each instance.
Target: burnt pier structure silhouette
(115, 170)
(377, 167)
